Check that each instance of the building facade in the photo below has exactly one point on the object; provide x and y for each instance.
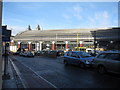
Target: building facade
(64, 39)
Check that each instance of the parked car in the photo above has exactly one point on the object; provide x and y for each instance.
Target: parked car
(80, 58)
(30, 54)
(94, 52)
(38, 53)
(21, 53)
(52, 53)
(25, 54)
(16, 53)
(60, 53)
(107, 61)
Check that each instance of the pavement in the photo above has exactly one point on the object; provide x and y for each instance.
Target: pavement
(12, 80)
(9, 81)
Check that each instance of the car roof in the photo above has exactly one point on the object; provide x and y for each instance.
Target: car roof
(111, 51)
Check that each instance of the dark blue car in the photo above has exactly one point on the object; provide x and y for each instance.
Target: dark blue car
(80, 58)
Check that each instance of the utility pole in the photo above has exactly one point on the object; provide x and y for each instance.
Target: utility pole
(6, 74)
(77, 41)
(94, 32)
(56, 41)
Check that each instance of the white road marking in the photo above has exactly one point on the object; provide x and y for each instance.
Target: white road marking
(38, 75)
(19, 74)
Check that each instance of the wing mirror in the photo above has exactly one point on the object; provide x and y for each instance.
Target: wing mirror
(78, 56)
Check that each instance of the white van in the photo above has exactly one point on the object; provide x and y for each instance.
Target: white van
(89, 50)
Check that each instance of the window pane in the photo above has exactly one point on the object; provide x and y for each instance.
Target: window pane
(84, 54)
(113, 56)
(69, 53)
(73, 54)
(102, 55)
(66, 54)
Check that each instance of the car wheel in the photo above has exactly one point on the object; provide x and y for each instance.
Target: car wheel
(101, 70)
(65, 63)
(82, 65)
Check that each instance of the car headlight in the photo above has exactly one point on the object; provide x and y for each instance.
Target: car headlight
(87, 62)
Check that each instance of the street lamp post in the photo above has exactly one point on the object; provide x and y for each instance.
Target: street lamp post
(95, 42)
(6, 74)
(56, 41)
(77, 40)
(111, 44)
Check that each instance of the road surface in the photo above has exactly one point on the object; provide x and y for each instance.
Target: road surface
(43, 72)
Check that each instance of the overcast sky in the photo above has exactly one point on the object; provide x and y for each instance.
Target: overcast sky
(59, 15)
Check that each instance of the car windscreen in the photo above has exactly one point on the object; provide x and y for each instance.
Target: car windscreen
(84, 54)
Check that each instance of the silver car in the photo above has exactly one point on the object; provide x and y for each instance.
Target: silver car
(108, 61)
(80, 58)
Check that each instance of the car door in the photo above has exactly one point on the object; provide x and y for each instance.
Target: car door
(77, 59)
(74, 58)
(100, 59)
(67, 57)
(113, 62)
